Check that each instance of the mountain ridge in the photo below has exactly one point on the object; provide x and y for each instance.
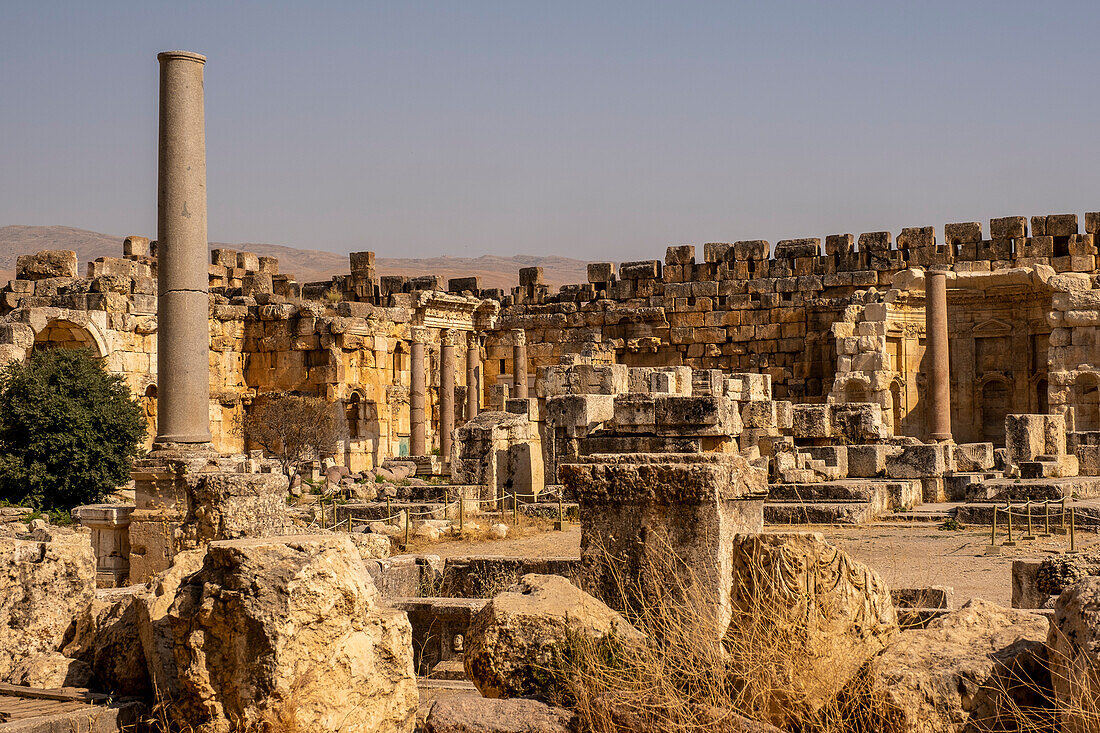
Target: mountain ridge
(306, 265)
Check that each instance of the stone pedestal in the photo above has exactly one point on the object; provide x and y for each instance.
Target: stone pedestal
(519, 364)
(110, 525)
(661, 526)
(446, 393)
(417, 388)
(937, 359)
(473, 377)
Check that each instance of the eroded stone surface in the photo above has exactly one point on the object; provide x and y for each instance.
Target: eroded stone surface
(514, 644)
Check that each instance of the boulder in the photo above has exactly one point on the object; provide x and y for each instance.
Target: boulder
(106, 637)
(43, 587)
(498, 531)
(968, 670)
(834, 612)
(156, 633)
(519, 637)
(51, 670)
(1073, 643)
(484, 715)
(371, 546)
(288, 631)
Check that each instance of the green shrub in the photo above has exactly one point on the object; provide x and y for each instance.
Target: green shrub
(69, 430)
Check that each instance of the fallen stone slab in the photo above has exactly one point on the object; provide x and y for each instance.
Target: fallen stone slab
(485, 715)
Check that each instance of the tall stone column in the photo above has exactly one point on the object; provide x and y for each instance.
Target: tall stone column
(417, 389)
(183, 333)
(473, 377)
(937, 362)
(519, 364)
(446, 392)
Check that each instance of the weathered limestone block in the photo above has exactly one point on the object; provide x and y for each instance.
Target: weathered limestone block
(654, 525)
(579, 413)
(858, 422)
(923, 460)
(967, 671)
(973, 457)
(106, 637)
(226, 506)
(749, 387)
(46, 264)
(1029, 436)
(486, 715)
(519, 637)
(811, 421)
(500, 451)
(837, 610)
(43, 586)
(51, 670)
(707, 415)
(1074, 651)
(287, 626)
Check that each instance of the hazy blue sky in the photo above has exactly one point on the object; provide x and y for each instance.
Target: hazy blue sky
(600, 130)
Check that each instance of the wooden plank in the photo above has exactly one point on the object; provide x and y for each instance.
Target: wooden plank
(67, 694)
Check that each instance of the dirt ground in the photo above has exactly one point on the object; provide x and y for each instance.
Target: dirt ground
(906, 554)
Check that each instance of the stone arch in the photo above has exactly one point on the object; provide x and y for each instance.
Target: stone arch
(995, 406)
(1086, 402)
(61, 333)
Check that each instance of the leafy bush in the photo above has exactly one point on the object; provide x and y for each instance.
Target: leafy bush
(69, 430)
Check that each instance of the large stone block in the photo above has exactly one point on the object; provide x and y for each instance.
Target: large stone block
(46, 264)
(834, 612)
(970, 670)
(1074, 650)
(657, 523)
(517, 641)
(288, 626)
(973, 457)
(709, 415)
(1029, 436)
(500, 451)
(923, 460)
(43, 586)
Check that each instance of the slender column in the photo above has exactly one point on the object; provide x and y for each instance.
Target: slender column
(446, 392)
(473, 377)
(417, 382)
(519, 364)
(936, 357)
(183, 333)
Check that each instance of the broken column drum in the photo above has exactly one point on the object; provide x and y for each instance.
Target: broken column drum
(417, 385)
(446, 392)
(937, 356)
(183, 331)
(519, 364)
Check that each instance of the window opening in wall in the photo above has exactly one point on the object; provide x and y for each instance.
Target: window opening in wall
(1061, 246)
(1041, 398)
(503, 369)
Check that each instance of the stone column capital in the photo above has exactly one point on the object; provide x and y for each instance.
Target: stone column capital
(447, 337)
(519, 337)
(418, 335)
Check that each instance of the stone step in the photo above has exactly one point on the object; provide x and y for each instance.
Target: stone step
(449, 669)
(833, 512)
(1019, 489)
(883, 496)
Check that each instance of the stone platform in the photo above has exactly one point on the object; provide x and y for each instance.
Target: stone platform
(1018, 490)
(852, 501)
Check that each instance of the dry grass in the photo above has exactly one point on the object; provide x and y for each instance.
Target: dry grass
(688, 679)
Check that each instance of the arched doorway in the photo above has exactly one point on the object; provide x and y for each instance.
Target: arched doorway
(994, 409)
(62, 334)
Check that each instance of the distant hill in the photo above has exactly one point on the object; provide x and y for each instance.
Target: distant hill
(304, 264)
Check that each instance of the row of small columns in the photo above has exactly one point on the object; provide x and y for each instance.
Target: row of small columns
(418, 443)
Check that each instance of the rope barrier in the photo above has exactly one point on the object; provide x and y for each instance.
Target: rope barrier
(1026, 511)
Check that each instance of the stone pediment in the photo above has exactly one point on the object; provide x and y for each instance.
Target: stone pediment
(992, 327)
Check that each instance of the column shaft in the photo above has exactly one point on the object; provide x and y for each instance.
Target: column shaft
(446, 394)
(473, 380)
(417, 382)
(183, 331)
(937, 358)
(519, 365)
